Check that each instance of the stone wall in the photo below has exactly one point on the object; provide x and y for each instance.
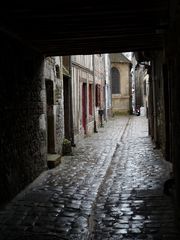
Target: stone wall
(22, 121)
(121, 101)
(158, 79)
(50, 74)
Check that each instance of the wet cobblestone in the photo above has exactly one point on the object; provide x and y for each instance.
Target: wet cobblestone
(134, 206)
(58, 204)
(110, 188)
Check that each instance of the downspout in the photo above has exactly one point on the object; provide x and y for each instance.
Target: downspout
(94, 95)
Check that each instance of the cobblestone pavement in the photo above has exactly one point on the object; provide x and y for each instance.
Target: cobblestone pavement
(111, 188)
(130, 203)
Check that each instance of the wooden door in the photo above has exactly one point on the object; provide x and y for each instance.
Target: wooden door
(84, 109)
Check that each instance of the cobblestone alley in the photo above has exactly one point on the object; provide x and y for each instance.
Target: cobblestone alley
(110, 188)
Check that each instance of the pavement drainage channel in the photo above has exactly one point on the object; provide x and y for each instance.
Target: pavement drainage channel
(109, 172)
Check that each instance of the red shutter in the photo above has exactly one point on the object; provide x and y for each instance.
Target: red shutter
(90, 99)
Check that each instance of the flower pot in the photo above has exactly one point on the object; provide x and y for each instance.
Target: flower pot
(67, 150)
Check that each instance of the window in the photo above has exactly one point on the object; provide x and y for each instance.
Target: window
(115, 76)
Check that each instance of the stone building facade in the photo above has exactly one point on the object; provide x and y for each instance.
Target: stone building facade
(82, 94)
(88, 78)
(121, 84)
(99, 91)
(53, 75)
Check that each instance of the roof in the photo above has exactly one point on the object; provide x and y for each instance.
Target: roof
(119, 58)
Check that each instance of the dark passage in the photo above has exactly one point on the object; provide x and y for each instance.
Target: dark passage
(110, 188)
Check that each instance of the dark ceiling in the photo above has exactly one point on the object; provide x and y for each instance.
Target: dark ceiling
(83, 27)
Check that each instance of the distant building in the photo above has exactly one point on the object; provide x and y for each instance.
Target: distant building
(121, 84)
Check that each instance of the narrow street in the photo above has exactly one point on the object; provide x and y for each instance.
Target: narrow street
(110, 188)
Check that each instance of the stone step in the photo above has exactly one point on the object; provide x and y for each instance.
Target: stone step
(53, 160)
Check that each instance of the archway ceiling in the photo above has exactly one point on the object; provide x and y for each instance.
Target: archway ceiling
(84, 27)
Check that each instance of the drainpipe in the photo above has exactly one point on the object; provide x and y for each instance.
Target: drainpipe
(94, 95)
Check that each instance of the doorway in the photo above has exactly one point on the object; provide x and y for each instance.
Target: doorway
(50, 116)
(67, 107)
(84, 106)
